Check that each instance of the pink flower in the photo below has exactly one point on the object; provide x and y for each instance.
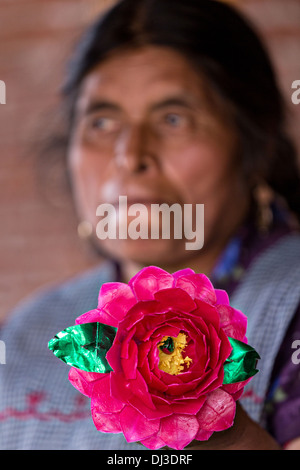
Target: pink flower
(166, 387)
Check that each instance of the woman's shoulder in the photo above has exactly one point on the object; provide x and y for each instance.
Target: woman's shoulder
(270, 277)
(280, 257)
(58, 305)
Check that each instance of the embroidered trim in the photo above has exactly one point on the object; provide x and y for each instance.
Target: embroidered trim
(35, 399)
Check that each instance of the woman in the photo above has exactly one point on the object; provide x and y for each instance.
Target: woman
(176, 102)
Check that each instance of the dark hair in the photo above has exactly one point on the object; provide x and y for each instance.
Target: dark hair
(221, 44)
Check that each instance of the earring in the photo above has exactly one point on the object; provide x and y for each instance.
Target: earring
(264, 196)
(84, 229)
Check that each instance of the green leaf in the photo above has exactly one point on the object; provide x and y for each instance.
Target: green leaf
(84, 346)
(241, 364)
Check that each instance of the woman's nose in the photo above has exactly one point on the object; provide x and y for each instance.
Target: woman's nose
(134, 151)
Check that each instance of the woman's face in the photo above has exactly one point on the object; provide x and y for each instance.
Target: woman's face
(147, 127)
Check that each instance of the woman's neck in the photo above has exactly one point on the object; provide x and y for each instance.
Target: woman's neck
(204, 262)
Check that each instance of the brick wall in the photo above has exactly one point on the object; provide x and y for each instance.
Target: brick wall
(39, 244)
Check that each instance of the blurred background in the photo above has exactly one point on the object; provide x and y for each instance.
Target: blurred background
(38, 230)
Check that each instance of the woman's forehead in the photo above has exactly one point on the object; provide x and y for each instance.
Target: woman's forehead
(149, 74)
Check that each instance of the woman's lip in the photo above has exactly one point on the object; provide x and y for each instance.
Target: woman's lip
(141, 200)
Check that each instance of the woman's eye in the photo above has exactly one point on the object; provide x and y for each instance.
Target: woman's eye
(174, 120)
(104, 124)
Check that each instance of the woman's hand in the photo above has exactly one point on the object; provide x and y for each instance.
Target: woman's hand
(245, 434)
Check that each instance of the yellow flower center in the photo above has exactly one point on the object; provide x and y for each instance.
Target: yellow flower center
(170, 354)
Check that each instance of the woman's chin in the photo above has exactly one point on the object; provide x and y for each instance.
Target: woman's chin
(145, 251)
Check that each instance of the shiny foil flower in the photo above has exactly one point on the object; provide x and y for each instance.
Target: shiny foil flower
(163, 358)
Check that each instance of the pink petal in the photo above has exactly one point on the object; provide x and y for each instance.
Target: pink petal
(129, 364)
(182, 273)
(233, 322)
(97, 315)
(89, 317)
(125, 343)
(154, 442)
(198, 286)
(150, 280)
(84, 381)
(143, 360)
(124, 389)
(215, 346)
(174, 299)
(200, 385)
(214, 379)
(145, 371)
(235, 395)
(236, 390)
(203, 435)
(106, 403)
(139, 388)
(198, 351)
(120, 388)
(157, 384)
(208, 313)
(222, 297)
(143, 351)
(159, 331)
(116, 298)
(179, 389)
(188, 407)
(226, 348)
(218, 411)
(137, 317)
(178, 430)
(160, 411)
(113, 356)
(105, 422)
(135, 426)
